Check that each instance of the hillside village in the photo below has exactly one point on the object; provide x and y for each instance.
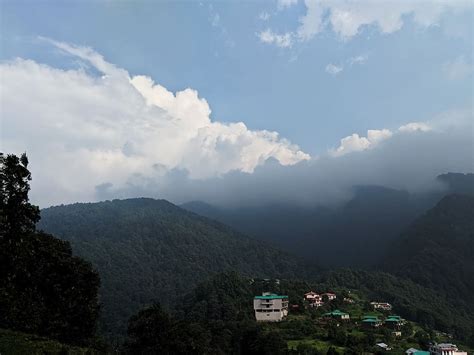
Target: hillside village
(341, 320)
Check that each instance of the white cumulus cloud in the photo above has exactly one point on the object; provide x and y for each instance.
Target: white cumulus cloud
(360, 59)
(334, 69)
(356, 143)
(82, 130)
(284, 40)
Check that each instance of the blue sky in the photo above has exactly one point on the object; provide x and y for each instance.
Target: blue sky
(213, 47)
(314, 71)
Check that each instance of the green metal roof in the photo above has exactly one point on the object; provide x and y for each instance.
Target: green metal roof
(270, 297)
(370, 317)
(371, 320)
(335, 313)
(394, 317)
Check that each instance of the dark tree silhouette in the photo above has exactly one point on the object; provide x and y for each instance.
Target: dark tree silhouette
(153, 331)
(17, 214)
(44, 289)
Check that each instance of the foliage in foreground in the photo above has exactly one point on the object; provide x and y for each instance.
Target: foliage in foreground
(44, 289)
(17, 343)
(154, 331)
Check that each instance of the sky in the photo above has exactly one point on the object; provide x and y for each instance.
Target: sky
(200, 100)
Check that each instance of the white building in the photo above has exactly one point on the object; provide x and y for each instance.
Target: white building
(381, 305)
(314, 299)
(270, 307)
(446, 349)
(330, 295)
(384, 346)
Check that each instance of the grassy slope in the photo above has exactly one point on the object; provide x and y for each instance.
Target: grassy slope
(13, 343)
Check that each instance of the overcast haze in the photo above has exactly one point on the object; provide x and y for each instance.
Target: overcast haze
(226, 103)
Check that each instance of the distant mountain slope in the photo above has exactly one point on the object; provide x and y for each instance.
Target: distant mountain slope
(458, 183)
(357, 233)
(353, 234)
(147, 249)
(437, 250)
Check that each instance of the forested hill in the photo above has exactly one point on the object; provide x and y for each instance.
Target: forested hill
(458, 183)
(437, 250)
(147, 250)
(351, 235)
(355, 234)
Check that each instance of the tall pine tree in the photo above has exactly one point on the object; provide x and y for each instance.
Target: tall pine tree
(18, 216)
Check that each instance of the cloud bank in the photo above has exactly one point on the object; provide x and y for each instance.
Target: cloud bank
(408, 159)
(111, 135)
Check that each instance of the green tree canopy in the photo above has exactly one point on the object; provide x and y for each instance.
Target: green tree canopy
(44, 289)
(154, 331)
(17, 214)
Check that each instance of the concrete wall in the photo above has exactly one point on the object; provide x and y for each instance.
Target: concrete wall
(269, 315)
(272, 310)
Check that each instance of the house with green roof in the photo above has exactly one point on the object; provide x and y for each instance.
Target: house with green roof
(370, 316)
(413, 351)
(337, 314)
(270, 307)
(370, 321)
(394, 322)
